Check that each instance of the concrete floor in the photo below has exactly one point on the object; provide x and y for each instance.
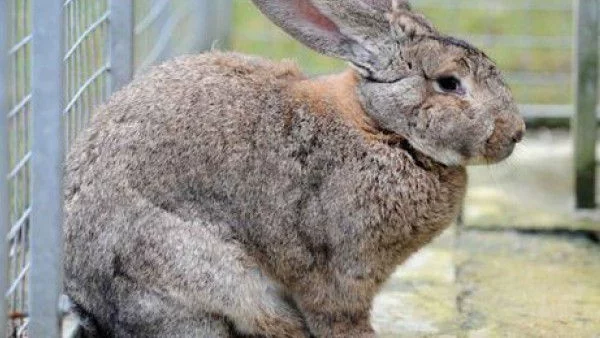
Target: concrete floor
(495, 284)
(533, 189)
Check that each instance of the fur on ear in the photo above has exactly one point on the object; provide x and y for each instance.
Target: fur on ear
(308, 24)
(406, 23)
(368, 33)
(388, 5)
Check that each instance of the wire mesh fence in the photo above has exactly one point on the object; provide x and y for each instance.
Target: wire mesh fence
(171, 21)
(86, 62)
(95, 39)
(18, 123)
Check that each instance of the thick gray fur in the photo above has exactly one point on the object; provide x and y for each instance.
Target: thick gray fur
(225, 195)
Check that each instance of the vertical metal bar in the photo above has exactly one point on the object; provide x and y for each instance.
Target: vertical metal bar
(202, 19)
(121, 43)
(162, 42)
(47, 158)
(221, 22)
(586, 94)
(4, 168)
(227, 22)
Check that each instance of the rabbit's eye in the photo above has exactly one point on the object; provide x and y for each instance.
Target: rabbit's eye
(449, 84)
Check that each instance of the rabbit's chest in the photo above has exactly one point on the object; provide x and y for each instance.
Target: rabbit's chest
(418, 207)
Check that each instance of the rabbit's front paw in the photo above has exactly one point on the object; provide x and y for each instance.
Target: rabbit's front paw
(334, 326)
(358, 332)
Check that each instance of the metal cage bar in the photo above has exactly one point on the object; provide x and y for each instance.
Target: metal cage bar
(48, 149)
(203, 22)
(87, 64)
(219, 23)
(121, 43)
(18, 118)
(4, 196)
(154, 27)
(586, 101)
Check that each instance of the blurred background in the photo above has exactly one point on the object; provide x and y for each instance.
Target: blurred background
(531, 40)
(524, 259)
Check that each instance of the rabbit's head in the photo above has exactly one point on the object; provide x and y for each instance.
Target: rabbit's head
(446, 97)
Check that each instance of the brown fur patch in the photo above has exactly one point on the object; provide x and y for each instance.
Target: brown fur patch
(283, 70)
(337, 94)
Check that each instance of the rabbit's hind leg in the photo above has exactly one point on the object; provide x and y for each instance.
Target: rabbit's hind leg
(204, 327)
(207, 327)
(202, 269)
(201, 327)
(235, 286)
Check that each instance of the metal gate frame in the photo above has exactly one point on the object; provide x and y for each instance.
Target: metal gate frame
(4, 212)
(60, 102)
(585, 122)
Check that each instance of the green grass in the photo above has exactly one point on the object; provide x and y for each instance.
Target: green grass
(254, 34)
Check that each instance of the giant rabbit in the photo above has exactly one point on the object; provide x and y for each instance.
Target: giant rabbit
(228, 195)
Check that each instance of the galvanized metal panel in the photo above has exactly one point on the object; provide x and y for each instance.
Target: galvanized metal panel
(4, 199)
(18, 28)
(47, 163)
(201, 17)
(154, 24)
(121, 42)
(67, 89)
(586, 101)
(87, 62)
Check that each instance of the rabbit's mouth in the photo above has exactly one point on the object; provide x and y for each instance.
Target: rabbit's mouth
(501, 144)
(493, 155)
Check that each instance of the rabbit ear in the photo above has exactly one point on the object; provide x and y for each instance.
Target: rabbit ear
(367, 33)
(388, 5)
(314, 23)
(407, 24)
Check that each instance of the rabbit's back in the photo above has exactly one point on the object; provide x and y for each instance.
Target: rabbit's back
(159, 130)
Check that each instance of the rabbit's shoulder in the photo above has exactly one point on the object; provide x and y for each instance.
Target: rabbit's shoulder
(336, 97)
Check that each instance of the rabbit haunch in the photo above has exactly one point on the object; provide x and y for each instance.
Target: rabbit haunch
(226, 150)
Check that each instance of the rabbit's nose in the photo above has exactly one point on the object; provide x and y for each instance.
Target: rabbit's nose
(518, 136)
